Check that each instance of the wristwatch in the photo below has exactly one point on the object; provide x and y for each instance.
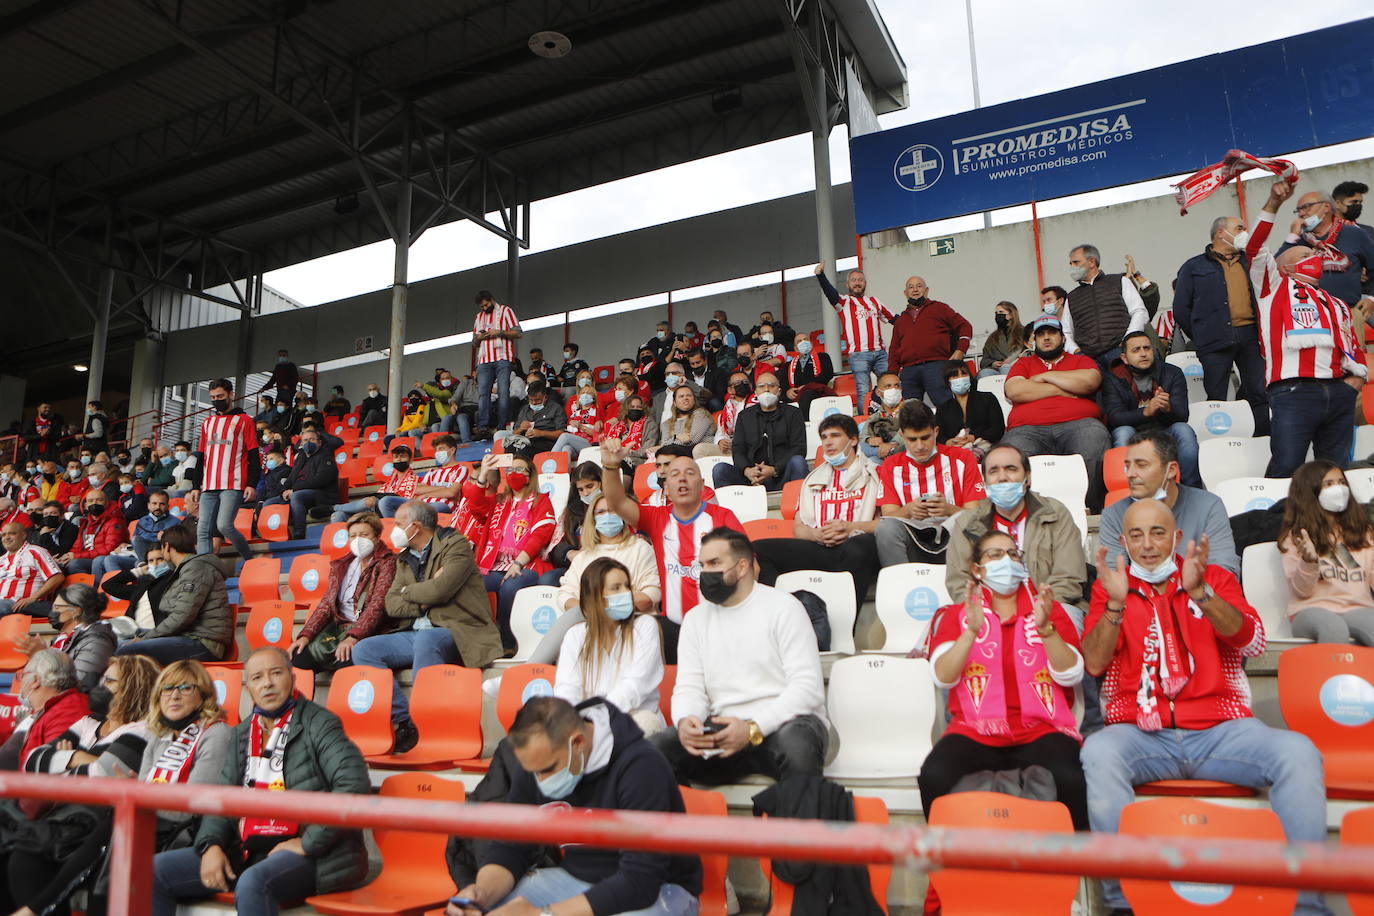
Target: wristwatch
(1207, 594)
(755, 734)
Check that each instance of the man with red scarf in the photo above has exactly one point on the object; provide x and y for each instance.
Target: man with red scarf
(1347, 252)
(1170, 633)
(808, 375)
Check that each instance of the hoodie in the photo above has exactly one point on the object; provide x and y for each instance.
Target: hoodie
(623, 772)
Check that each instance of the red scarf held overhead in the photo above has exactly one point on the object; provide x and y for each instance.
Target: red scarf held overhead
(1200, 185)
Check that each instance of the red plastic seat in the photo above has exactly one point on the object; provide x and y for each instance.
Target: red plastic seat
(665, 692)
(1114, 468)
(791, 496)
(866, 810)
(414, 876)
(643, 489)
(1116, 496)
(763, 528)
(361, 697)
(79, 579)
(270, 623)
(243, 524)
(1327, 693)
(446, 706)
(114, 607)
(1357, 829)
(844, 385)
(228, 690)
(274, 523)
(12, 627)
(518, 684)
(603, 377)
(305, 682)
(373, 434)
(559, 463)
(1192, 788)
(381, 467)
(308, 579)
(427, 444)
(710, 804)
(258, 580)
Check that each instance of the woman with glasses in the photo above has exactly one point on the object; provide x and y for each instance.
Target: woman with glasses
(189, 741)
(81, 633)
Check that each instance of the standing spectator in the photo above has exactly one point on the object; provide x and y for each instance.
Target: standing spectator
(158, 520)
(708, 380)
(572, 367)
(29, 576)
(924, 337)
(337, 406)
(1003, 346)
(584, 426)
(95, 432)
(439, 606)
(267, 861)
(372, 409)
(55, 534)
(43, 433)
(314, 481)
(971, 419)
(193, 618)
(284, 378)
(808, 376)
(748, 666)
(102, 529)
(1316, 365)
(861, 319)
(880, 432)
(688, 423)
(1327, 545)
(1170, 634)
(1101, 308)
(1142, 392)
(494, 333)
(354, 603)
(1054, 408)
(231, 469)
(1214, 304)
(1346, 252)
(769, 445)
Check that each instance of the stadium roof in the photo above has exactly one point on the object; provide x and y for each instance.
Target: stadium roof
(193, 142)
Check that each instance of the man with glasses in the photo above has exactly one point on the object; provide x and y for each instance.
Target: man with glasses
(29, 576)
(1347, 252)
(769, 446)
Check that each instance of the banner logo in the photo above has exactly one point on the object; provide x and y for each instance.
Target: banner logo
(918, 167)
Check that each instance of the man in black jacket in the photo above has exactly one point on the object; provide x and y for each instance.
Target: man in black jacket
(589, 756)
(1142, 392)
(769, 446)
(314, 481)
(708, 379)
(52, 531)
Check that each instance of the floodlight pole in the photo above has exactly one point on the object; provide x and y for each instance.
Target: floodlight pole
(399, 285)
(825, 221)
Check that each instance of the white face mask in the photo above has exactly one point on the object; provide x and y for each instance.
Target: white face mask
(441, 456)
(1334, 498)
(892, 397)
(1049, 308)
(399, 539)
(768, 399)
(361, 547)
(1240, 238)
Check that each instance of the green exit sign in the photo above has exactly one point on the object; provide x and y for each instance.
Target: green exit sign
(942, 246)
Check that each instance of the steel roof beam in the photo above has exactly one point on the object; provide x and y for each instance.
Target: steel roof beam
(34, 15)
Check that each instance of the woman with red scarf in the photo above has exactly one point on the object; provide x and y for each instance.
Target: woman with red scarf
(634, 430)
(808, 375)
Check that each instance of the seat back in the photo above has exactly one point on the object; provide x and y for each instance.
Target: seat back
(270, 624)
(1357, 829)
(590, 453)
(305, 682)
(382, 468)
(707, 466)
(1327, 693)
(352, 473)
(1223, 459)
(258, 580)
(228, 691)
(836, 589)
(114, 607)
(791, 499)
(704, 803)
(1245, 494)
(551, 463)
(986, 893)
(518, 684)
(308, 579)
(874, 811)
(1114, 468)
(412, 859)
(603, 377)
(996, 385)
(1162, 818)
(763, 528)
(243, 523)
(559, 488)
(867, 693)
(1064, 477)
(532, 615)
(821, 408)
(12, 627)
(374, 434)
(665, 692)
(845, 386)
(79, 579)
(646, 481)
(1266, 588)
(426, 447)
(907, 598)
(446, 706)
(748, 503)
(361, 697)
(1217, 419)
(1361, 480)
(273, 523)
(334, 540)
(1192, 373)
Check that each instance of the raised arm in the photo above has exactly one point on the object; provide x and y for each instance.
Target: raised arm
(613, 452)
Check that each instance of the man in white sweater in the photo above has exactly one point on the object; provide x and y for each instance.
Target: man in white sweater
(749, 696)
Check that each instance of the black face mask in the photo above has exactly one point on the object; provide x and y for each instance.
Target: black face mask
(99, 700)
(177, 725)
(96, 510)
(1353, 211)
(401, 466)
(646, 359)
(715, 589)
(917, 302)
(635, 414)
(50, 521)
(716, 344)
(1003, 322)
(1140, 372)
(49, 477)
(1057, 352)
(742, 389)
(744, 362)
(221, 405)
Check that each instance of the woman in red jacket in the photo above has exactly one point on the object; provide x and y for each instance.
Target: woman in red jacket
(519, 528)
(101, 530)
(354, 602)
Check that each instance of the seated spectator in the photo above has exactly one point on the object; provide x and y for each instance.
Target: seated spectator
(1152, 473)
(767, 351)
(437, 604)
(186, 471)
(313, 481)
(10, 512)
(395, 490)
(1327, 544)
(1003, 346)
(73, 487)
(18, 486)
(158, 520)
(769, 446)
(1009, 658)
(101, 530)
(608, 403)
(372, 409)
(160, 474)
(98, 477)
(706, 378)
(922, 486)
(81, 633)
(338, 406)
(442, 485)
(276, 471)
(414, 414)
(739, 395)
(520, 526)
(55, 533)
(591, 756)
(721, 355)
(446, 405)
(132, 498)
(674, 377)
(633, 430)
(782, 333)
(1170, 634)
(748, 668)
(190, 743)
(1141, 393)
(1054, 411)
(584, 424)
(268, 862)
(971, 419)
(688, 423)
(541, 421)
(836, 515)
(586, 482)
(47, 687)
(354, 603)
(808, 375)
(193, 617)
(613, 651)
(573, 369)
(880, 434)
(142, 586)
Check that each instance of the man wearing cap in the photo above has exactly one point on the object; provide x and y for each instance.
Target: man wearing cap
(1054, 407)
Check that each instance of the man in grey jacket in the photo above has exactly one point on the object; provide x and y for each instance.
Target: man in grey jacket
(194, 619)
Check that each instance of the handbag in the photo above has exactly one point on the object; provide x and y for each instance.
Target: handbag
(321, 649)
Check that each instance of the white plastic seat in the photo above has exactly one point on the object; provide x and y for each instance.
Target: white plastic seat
(1364, 442)
(1244, 494)
(1361, 483)
(1226, 459)
(590, 453)
(1065, 477)
(882, 710)
(836, 589)
(1192, 373)
(813, 442)
(531, 615)
(995, 385)
(821, 408)
(708, 464)
(1266, 588)
(748, 503)
(907, 598)
(1219, 419)
(557, 486)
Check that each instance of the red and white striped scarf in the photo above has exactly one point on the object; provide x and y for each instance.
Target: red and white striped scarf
(1200, 185)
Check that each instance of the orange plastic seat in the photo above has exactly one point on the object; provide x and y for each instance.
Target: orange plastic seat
(114, 607)
(518, 684)
(369, 449)
(1192, 788)
(665, 692)
(334, 540)
(1367, 405)
(1114, 468)
(446, 706)
(79, 579)
(361, 697)
(644, 489)
(1160, 818)
(352, 473)
(270, 624)
(258, 580)
(381, 468)
(763, 528)
(1115, 496)
(982, 893)
(844, 385)
(335, 427)
(12, 627)
(1327, 693)
(866, 810)
(228, 690)
(274, 523)
(791, 495)
(603, 377)
(373, 434)
(559, 463)
(308, 579)
(710, 804)
(305, 682)
(1357, 829)
(243, 523)
(414, 877)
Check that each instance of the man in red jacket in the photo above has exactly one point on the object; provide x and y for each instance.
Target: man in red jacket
(101, 530)
(925, 337)
(1170, 633)
(47, 686)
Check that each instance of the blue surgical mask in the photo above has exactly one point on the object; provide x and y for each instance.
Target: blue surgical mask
(85, 459)
(165, 460)
(672, 380)
(281, 408)
(960, 385)
(1157, 575)
(158, 570)
(608, 524)
(1311, 222)
(441, 456)
(1007, 495)
(310, 447)
(836, 460)
(1004, 576)
(804, 346)
(620, 605)
(273, 464)
(561, 784)
(585, 400)
(126, 488)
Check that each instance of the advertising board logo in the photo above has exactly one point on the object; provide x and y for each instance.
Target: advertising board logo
(918, 167)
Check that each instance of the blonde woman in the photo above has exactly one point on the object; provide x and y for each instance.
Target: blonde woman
(190, 740)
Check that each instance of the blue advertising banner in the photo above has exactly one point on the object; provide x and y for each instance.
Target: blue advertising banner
(1297, 93)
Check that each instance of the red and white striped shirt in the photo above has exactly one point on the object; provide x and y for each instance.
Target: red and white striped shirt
(500, 318)
(226, 440)
(588, 416)
(676, 546)
(23, 572)
(951, 472)
(861, 322)
(1015, 527)
(451, 475)
(400, 484)
(1304, 331)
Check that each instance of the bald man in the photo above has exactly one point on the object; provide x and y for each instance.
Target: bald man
(29, 576)
(925, 337)
(769, 447)
(1347, 251)
(1170, 631)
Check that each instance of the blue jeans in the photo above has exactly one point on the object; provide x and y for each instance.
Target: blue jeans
(505, 590)
(342, 511)
(1315, 412)
(570, 443)
(79, 565)
(991, 372)
(388, 504)
(1245, 752)
(727, 475)
(926, 378)
(302, 501)
(1185, 437)
(456, 422)
(499, 372)
(36, 609)
(217, 511)
(413, 649)
(545, 887)
(167, 649)
(260, 889)
(1244, 354)
(109, 563)
(861, 364)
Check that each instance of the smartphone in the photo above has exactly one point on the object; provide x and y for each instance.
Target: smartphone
(503, 461)
(467, 903)
(711, 726)
(933, 497)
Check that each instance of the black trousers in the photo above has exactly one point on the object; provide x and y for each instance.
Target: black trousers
(858, 556)
(955, 756)
(797, 748)
(36, 881)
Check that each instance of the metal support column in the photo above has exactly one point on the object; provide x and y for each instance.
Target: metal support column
(241, 365)
(825, 222)
(95, 376)
(512, 272)
(400, 289)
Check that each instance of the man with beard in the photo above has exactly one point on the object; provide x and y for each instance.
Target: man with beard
(861, 318)
(1141, 393)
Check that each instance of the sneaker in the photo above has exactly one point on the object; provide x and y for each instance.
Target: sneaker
(124, 627)
(406, 737)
